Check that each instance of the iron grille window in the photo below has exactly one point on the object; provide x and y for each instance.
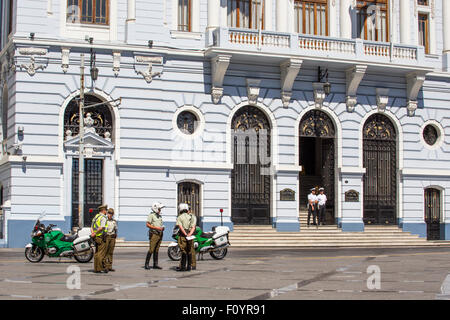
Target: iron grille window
(423, 32)
(187, 122)
(245, 13)
(100, 114)
(422, 2)
(88, 11)
(184, 15)
(311, 17)
(430, 135)
(373, 20)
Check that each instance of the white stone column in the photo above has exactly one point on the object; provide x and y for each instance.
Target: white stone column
(446, 34)
(268, 9)
(405, 22)
(346, 19)
(282, 12)
(213, 13)
(332, 19)
(131, 11)
(131, 21)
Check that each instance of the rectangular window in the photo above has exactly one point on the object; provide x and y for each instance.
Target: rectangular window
(423, 32)
(88, 11)
(373, 20)
(311, 17)
(422, 2)
(245, 14)
(184, 15)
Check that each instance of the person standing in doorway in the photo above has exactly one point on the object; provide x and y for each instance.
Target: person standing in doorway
(321, 204)
(312, 206)
(111, 235)
(155, 235)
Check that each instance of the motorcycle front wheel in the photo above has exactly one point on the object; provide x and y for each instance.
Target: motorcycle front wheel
(85, 256)
(174, 253)
(219, 254)
(34, 254)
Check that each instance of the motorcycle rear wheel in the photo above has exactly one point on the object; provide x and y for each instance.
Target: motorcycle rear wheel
(219, 254)
(34, 255)
(174, 253)
(85, 256)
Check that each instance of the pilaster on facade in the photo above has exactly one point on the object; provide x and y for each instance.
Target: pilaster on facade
(354, 76)
(219, 66)
(289, 71)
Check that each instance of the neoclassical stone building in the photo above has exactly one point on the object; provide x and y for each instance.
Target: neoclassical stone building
(240, 105)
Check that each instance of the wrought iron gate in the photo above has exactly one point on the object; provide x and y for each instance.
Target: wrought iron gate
(93, 190)
(317, 138)
(433, 213)
(380, 179)
(189, 192)
(250, 178)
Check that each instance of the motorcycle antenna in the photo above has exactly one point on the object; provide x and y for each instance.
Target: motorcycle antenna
(221, 219)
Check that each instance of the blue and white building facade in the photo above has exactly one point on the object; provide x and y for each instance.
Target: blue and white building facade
(350, 95)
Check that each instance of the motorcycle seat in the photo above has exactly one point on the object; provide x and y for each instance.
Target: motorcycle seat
(207, 235)
(69, 237)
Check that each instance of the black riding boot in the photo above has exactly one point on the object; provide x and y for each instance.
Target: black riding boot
(189, 262)
(182, 266)
(155, 261)
(147, 261)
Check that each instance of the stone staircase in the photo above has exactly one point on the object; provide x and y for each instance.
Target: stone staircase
(326, 236)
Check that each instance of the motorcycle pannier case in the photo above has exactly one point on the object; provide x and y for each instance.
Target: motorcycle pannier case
(81, 244)
(221, 236)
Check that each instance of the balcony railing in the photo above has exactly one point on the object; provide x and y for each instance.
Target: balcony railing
(316, 46)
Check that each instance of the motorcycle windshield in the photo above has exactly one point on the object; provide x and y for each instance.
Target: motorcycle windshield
(39, 219)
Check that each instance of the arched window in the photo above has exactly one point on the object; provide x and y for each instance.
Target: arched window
(100, 114)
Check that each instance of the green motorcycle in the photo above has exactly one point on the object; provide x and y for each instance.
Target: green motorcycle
(215, 242)
(52, 242)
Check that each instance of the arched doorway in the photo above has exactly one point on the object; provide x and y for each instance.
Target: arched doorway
(380, 179)
(433, 213)
(317, 157)
(98, 134)
(250, 177)
(189, 192)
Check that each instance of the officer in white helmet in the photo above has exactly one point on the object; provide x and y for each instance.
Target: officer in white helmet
(187, 228)
(155, 234)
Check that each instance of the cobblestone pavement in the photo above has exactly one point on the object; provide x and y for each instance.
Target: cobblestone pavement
(245, 274)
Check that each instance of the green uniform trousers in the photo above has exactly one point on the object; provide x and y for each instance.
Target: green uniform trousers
(100, 254)
(155, 242)
(110, 245)
(186, 247)
(194, 260)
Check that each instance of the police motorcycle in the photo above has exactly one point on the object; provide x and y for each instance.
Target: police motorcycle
(52, 242)
(215, 242)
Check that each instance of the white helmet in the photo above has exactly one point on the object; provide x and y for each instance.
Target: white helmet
(183, 206)
(156, 207)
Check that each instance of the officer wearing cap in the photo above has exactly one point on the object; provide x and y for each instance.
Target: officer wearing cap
(98, 233)
(187, 228)
(312, 208)
(111, 235)
(321, 202)
(155, 234)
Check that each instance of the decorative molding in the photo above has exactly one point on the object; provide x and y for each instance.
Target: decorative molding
(148, 74)
(32, 67)
(354, 76)
(65, 53)
(253, 90)
(382, 98)
(219, 66)
(116, 63)
(289, 71)
(319, 94)
(414, 82)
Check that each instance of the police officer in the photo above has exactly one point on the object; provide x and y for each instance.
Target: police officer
(187, 228)
(111, 235)
(98, 233)
(155, 235)
(312, 208)
(321, 203)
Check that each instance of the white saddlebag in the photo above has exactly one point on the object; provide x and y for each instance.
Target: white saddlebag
(221, 236)
(81, 244)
